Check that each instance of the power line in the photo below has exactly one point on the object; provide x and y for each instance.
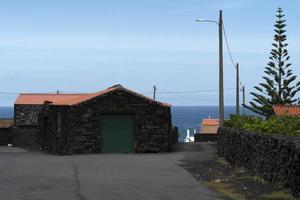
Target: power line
(166, 92)
(190, 91)
(227, 45)
(9, 93)
(229, 51)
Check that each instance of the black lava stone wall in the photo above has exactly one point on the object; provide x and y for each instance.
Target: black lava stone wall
(205, 137)
(76, 129)
(5, 136)
(26, 115)
(275, 157)
(26, 137)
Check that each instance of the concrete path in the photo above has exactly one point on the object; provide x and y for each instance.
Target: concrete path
(34, 175)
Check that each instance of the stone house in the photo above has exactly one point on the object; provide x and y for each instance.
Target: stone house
(113, 120)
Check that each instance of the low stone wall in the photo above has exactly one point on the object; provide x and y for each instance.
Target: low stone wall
(26, 137)
(205, 137)
(5, 136)
(173, 136)
(275, 157)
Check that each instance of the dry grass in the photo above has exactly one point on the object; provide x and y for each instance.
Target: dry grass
(225, 189)
(224, 162)
(252, 178)
(6, 123)
(282, 194)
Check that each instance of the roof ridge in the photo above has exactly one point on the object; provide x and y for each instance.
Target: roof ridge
(58, 99)
(54, 93)
(287, 105)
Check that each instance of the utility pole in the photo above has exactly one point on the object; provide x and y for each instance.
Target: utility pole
(221, 84)
(244, 101)
(154, 92)
(237, 90)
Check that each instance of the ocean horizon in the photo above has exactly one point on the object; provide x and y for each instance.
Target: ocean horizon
(184, 117)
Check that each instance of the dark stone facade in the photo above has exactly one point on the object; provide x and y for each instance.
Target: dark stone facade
(77, 128)
(25, 130)
(26, 115)
(275, 157)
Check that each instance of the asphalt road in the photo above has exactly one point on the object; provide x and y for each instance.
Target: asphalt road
(37, 176)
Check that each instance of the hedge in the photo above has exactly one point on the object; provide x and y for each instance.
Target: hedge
(286, 125)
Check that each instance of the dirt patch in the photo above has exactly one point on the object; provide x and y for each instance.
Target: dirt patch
(234, 182)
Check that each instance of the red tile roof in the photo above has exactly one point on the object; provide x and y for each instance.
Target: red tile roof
(291, 110)
(38, 99)
(72, 99)
(210, 122)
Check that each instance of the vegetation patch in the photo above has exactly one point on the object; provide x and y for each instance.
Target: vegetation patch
(285, 125)
(254, 178)
(234, 182)
(278, 195)
(225, 188)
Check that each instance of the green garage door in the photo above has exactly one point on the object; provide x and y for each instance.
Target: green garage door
(117, 133)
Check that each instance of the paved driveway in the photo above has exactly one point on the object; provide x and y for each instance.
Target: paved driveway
(33, 175)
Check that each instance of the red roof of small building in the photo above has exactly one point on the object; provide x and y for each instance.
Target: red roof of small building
(210, 122)
(291, 110)
(72, 99)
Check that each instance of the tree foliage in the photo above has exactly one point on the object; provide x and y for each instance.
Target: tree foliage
(278, 83)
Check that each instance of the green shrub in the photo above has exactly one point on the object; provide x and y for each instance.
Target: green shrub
(286, 125)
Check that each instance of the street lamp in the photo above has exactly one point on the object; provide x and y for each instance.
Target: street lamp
(221, 82)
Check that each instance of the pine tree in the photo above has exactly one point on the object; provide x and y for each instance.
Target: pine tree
(278, 87)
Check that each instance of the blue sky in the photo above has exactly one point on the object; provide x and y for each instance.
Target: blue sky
(86, 46)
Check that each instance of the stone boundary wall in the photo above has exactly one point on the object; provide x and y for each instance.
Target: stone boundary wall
(275, 157)
(26, 137)
(5, 136)
(205, 137)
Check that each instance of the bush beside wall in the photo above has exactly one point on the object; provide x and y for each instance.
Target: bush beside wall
(275, 157)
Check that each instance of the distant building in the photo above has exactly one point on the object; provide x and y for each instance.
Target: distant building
(289, 110)
(188, 137)
(209, 126)
(113, 120)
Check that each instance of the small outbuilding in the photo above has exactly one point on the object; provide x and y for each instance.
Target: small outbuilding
(115, 120)
(209, 126)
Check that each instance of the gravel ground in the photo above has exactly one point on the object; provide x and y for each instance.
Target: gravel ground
(233, 182)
